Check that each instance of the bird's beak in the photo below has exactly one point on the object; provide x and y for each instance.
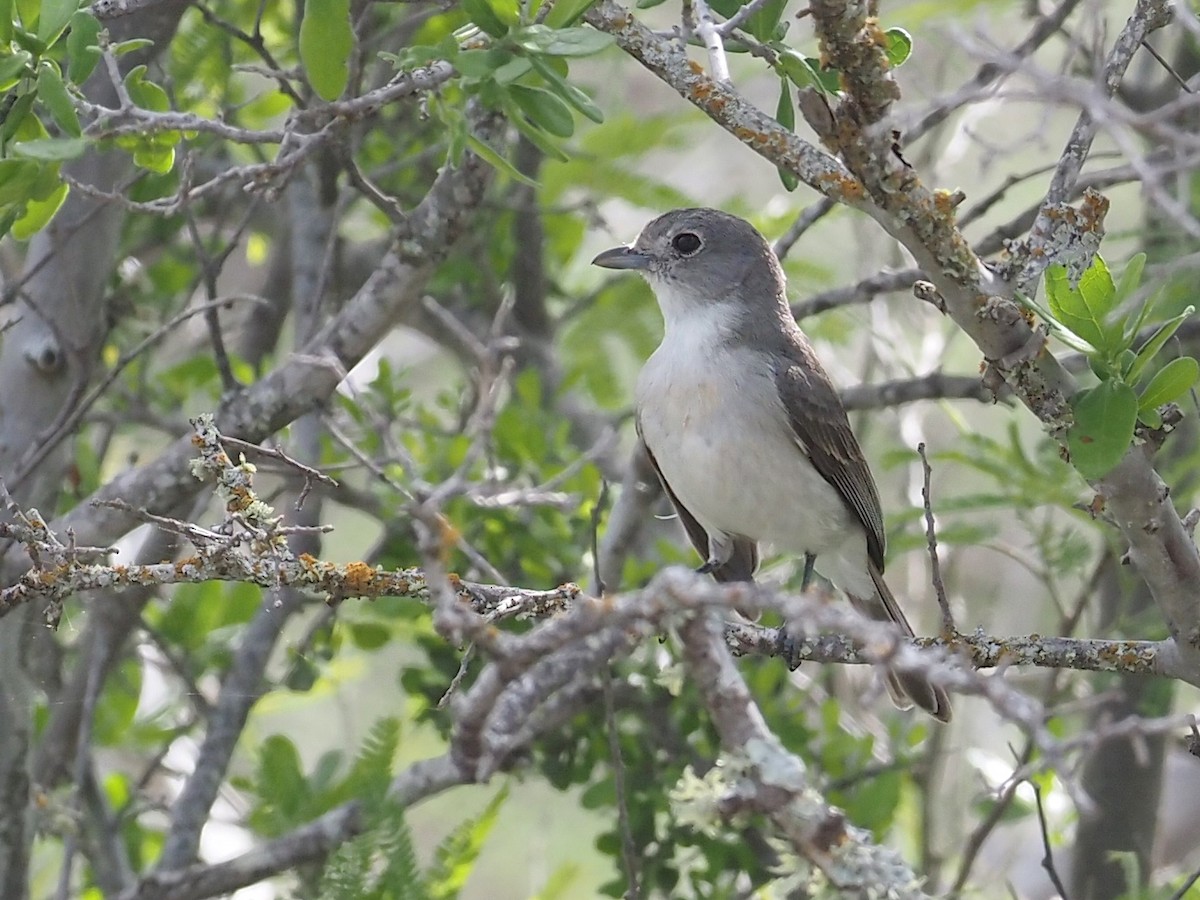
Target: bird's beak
(622, 258)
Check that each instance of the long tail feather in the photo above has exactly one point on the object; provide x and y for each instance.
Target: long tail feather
(905, 688)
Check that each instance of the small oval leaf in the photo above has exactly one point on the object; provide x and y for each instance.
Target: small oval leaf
(544, 109)
(481, 13)
(38, 214)
(563, 41)
(898, 46)
(1103, 428)
(53, 93)
(1170, 383)
(326, 41)
(83, 50)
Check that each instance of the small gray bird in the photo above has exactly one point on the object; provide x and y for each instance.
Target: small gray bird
(744, 428)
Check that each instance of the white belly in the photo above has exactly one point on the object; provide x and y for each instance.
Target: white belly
(717, 429)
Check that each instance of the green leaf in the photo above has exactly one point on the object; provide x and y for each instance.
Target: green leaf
(83, 50)
(1156, 342)
(562, 42)
(765, 23)
(1131, 277)
(280, 778)
(566, 90)
(155, 158)
(785, 115)
(53, 19)
(7, 8)
(535, 135)
(122, 48)
(16, 180)
(50, 149)
(456, 855)
(1170, 383)
(369, 635)
(898, 46)
(53, 94)
(567, 12)
(38, 214)
(806, 72)
(146, 94)
(481, 63)
(544, 109)
(516, 67)
(12, 68)
(1103, 428)
(481, 13)
(486, 153)
(1082, 309)
(326, 41)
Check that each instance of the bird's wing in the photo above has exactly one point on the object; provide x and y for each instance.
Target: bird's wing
(741, 565)
(822, 430)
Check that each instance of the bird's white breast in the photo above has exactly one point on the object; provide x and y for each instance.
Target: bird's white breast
(712, 417)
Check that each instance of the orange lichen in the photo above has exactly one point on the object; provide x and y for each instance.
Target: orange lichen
(695, 67)
(846, 187)
(359, 577)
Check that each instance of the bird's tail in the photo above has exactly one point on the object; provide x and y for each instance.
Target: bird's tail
(905, 688)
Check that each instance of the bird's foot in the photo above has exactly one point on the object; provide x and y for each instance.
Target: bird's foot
(789, 648)
(709, 567)
(810, 561)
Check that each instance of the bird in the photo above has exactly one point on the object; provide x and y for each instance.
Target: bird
(745, 429)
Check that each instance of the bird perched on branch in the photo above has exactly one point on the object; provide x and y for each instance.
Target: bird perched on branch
(743, 426)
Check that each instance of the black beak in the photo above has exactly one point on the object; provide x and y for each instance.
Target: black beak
(622, 258)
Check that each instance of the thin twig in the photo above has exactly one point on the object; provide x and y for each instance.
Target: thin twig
(1048, 859)
(939, 586)
(706, 27)
(1186, 886)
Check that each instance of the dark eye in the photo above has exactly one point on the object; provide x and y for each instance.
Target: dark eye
(686, 243)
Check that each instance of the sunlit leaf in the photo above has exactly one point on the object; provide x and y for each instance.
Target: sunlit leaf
(1083, 308)
(1170, 383)
(326, 41)
(1156, 342)
(898, 46)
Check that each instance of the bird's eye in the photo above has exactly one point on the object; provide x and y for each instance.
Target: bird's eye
(686, 243)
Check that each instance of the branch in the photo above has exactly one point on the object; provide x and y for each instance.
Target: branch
(875, 180)
(307, 844)
(725, 106)
(308, 377)
(758, 774)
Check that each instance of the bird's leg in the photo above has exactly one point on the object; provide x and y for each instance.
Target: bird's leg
(787, 647)
(810, 560)
(720, 551)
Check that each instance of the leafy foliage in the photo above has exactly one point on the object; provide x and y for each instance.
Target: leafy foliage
(1088, 316)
